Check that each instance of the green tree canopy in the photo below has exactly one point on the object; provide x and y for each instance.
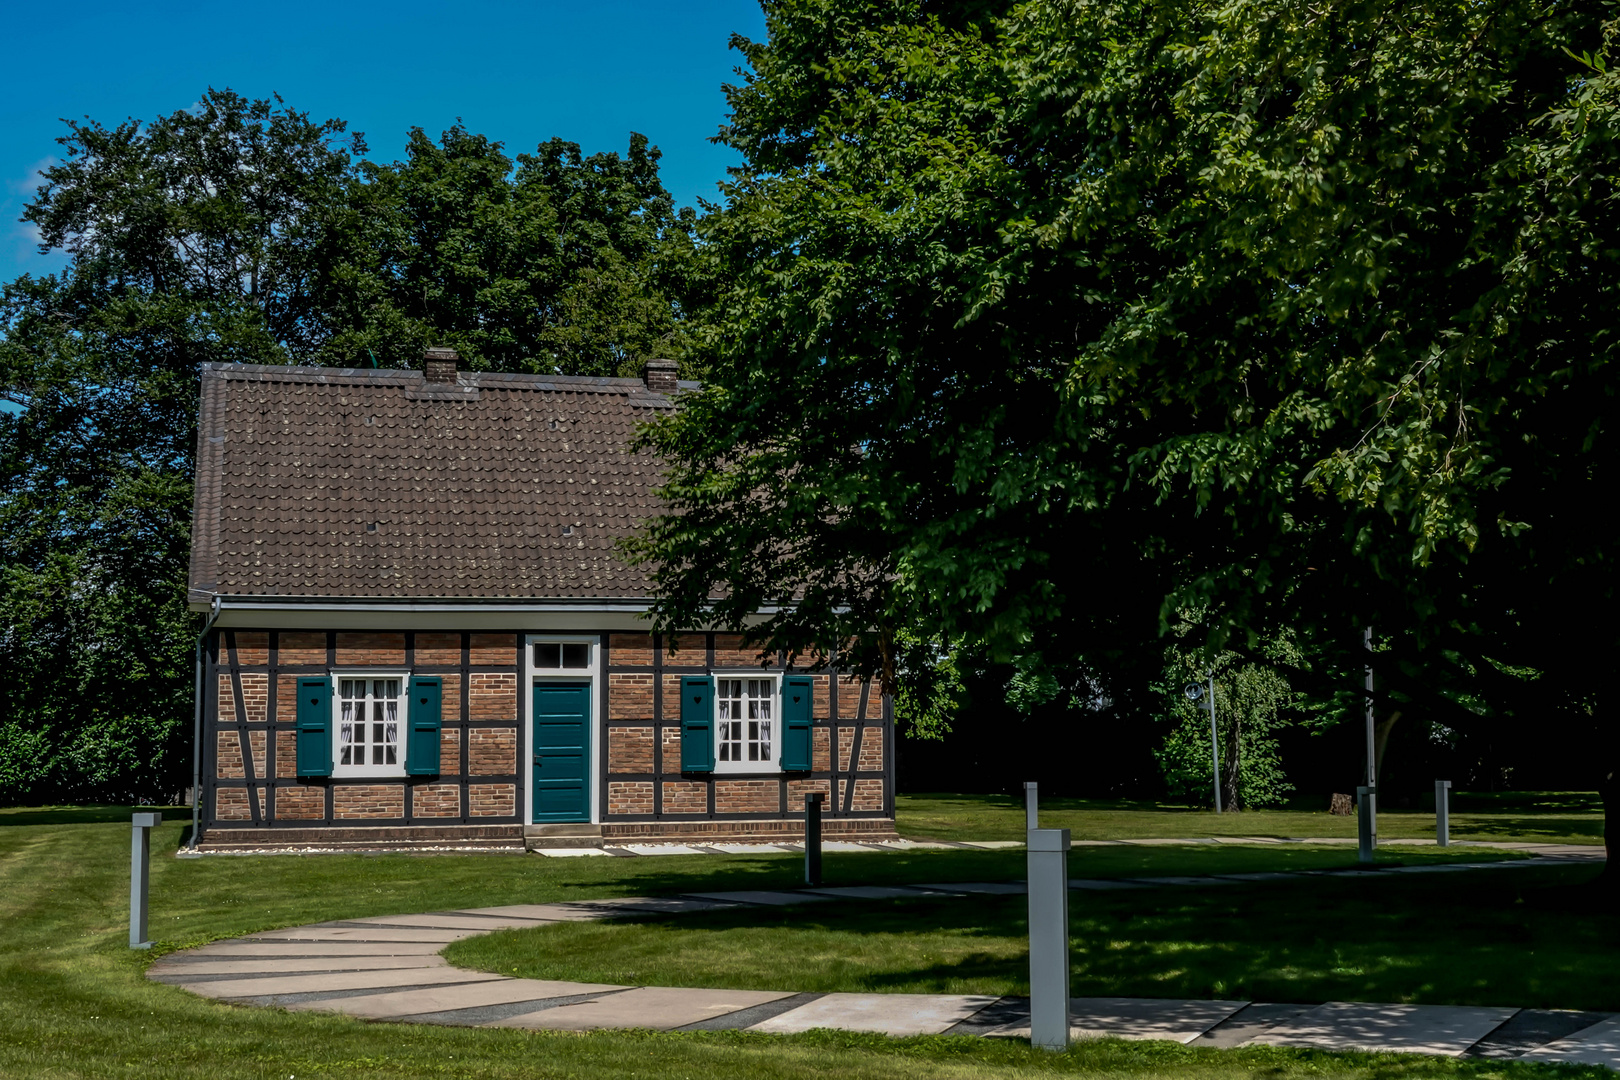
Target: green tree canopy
(1042, 324)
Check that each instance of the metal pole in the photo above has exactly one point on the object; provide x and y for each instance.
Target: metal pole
(1032, 807)
(1369, 803)
(1442, 812)
(140, 850)
(1366, 826)
(1214, 742)
(1048, 853)
(812, 838)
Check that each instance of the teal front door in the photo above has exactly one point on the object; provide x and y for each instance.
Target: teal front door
(562, 752)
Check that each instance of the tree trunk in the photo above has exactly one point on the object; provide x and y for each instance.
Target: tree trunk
(1230, 778)
(1381, 731)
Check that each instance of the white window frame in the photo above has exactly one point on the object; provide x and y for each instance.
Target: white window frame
(774, 763)
(395, 771)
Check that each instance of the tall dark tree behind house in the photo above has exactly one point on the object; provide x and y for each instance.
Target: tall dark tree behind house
(1044, 328)
(243, 231)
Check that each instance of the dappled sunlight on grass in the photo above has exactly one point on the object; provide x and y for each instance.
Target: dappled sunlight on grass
(1451, 939)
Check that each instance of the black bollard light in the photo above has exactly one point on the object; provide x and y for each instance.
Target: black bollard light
(812, 838)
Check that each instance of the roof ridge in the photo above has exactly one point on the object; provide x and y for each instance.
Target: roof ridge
(609, 384)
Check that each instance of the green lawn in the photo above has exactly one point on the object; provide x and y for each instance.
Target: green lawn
(1465, 939)
(1561, 817)
(74, 1002)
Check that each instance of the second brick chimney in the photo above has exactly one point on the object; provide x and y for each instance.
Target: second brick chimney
(660, 376)
(439, 364)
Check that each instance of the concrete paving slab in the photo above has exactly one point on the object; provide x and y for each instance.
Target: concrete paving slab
(1417, 1029)
(1532, 1029)
(1264, 875)
(761, 896)
(877, 892)
(1103, 885)
(1256, 1018)
(993, 845)
(453, 921)
(252, 965)
(643, 905)
(1167, 843)
(438, 999)
(1173, 880)
(986, 888)
(751, 849)
(1138, 1018)
(538, 912)
(239, 947)
(848, 845)
(660, 849)
(273, 985)
(1596, 1045)
(1246, 840)
(568, 853)
(888, 1014)
(656, 1007)
(362, 933)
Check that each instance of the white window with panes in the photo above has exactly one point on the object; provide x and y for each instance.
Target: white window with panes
(368, 725)
(745, 724)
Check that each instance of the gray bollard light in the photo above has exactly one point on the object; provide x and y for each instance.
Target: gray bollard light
(140, 852)
(1048, 851)
(1366, 822)
(1032, 806)
(812, 838)
(1442, 812)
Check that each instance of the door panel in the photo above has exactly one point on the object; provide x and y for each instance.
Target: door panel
(561, 753)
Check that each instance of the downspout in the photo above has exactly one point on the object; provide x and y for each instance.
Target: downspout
(197, 731)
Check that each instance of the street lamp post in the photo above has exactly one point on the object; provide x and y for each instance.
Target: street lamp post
(1194, 692)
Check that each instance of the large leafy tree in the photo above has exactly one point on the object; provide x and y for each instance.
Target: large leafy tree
(555, 262)
(1044, 325)
(244, 231)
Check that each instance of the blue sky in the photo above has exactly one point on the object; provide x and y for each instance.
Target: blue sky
(519, 73)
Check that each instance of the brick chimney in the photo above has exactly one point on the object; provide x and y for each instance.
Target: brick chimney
(660, 376)
(439, 364)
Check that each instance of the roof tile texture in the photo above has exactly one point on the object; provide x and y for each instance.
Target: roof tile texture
(356, 484)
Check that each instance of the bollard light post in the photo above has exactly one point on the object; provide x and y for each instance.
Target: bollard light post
(1032, 806)
(1048, 851)
(1442, 813)
(812, 838)
(140, 853)
(1366, 823)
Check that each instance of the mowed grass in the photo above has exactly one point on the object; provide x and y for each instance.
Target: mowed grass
(1539, 817)
(1470, 938)
(74, 1001)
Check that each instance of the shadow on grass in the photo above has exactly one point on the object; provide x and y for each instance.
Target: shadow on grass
(86, 815)
(1464, 939)
(1529, 826)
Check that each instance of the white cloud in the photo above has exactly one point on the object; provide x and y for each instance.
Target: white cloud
(33, 178)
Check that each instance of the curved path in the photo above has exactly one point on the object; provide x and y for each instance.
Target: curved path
(388, 968)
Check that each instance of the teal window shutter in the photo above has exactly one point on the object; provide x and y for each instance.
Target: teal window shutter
(314, 726)
(423, 716)
(797, 695)
(697, 723)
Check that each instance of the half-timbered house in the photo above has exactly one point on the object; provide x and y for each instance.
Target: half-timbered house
(421, 632)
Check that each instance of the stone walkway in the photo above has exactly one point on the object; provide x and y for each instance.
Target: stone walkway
(388, 968)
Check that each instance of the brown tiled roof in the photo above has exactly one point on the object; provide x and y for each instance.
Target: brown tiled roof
(319, 482)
